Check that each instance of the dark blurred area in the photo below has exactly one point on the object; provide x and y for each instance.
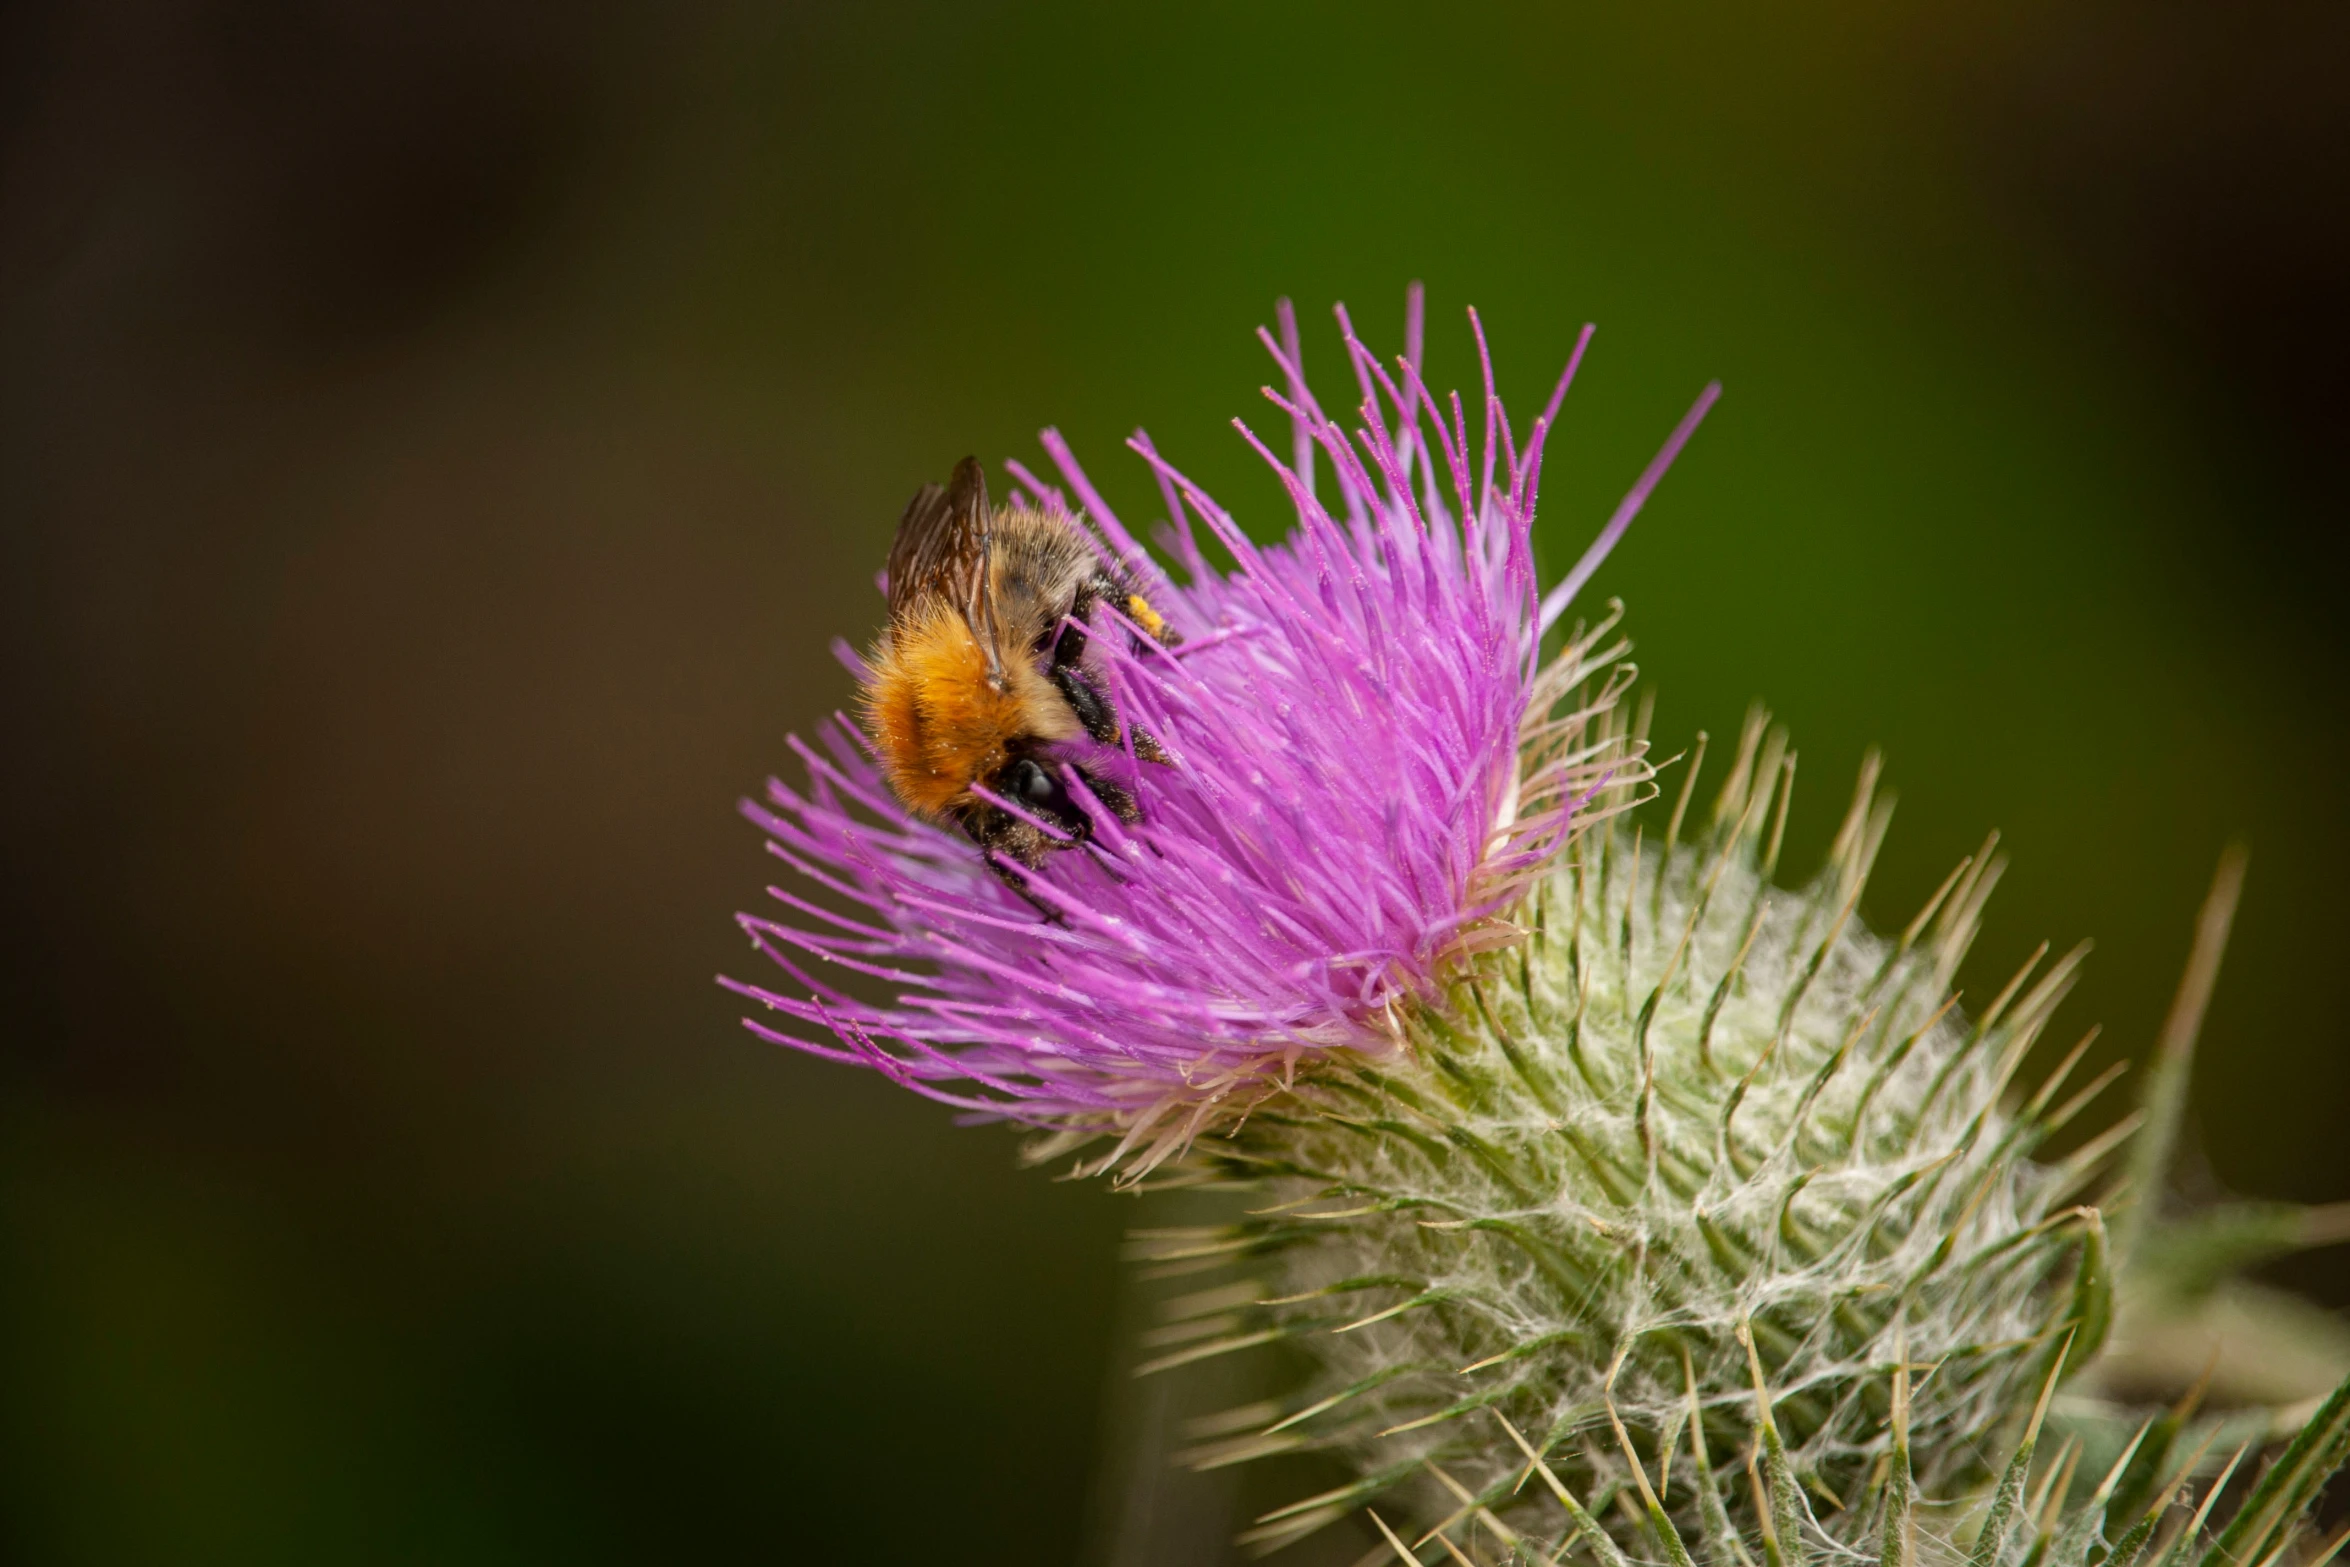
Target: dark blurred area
(438, 442)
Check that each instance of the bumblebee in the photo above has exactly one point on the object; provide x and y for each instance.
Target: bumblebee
(981, 681)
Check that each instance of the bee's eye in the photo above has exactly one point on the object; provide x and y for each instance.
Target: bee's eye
(1033, 784)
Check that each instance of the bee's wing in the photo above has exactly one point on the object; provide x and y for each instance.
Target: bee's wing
(941, 548)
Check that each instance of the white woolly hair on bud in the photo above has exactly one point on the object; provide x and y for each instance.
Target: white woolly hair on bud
(1706, 1205)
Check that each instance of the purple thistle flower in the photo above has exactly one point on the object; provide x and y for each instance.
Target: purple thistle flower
(1370, 762)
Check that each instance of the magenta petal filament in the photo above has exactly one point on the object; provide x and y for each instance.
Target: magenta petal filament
(1371, 760)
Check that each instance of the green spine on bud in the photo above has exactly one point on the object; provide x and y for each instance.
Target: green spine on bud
(1675, 1204)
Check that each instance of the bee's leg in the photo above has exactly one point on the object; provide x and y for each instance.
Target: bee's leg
(1005, 872)
(1138, 609)
(1120, 800)
(1093, 710)
(1147, 749)
(1102, 588)
(1008, 845)
(1091, 707)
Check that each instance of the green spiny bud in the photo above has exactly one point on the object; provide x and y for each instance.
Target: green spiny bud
(1704, 1202)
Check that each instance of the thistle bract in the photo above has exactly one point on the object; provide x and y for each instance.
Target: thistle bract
(1710, 1210)
(1697, 1136)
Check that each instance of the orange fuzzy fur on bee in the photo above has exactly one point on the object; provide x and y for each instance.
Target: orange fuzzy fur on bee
(935, 718)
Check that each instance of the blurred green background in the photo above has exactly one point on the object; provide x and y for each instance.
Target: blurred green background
(438, 441)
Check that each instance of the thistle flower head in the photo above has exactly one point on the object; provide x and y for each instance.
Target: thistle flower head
(1370, 762)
